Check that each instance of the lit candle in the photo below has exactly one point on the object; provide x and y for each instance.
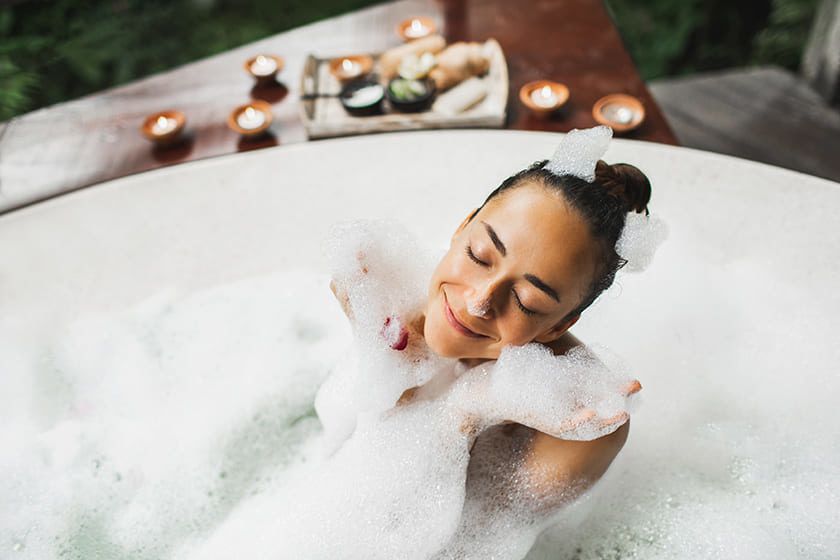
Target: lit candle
(350, 68)
(623, 115)
(263, 66)
(620, 111)
(163, 125)
(544, 97)
(250, 118)
(416, 29)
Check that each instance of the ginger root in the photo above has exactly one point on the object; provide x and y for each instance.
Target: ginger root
(459, 62)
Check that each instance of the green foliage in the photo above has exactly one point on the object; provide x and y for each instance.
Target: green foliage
(672, 37)
(783, 40)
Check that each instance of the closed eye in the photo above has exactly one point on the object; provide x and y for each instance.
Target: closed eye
(522, 307)
(473, 258)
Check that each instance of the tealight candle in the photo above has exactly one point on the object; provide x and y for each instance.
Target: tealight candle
(264, 67)
(416, 28)
(620, 111)
(164, 127)
(348, 68)
(251, 119)
(543, 97)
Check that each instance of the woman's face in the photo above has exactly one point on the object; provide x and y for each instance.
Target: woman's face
(511, 276)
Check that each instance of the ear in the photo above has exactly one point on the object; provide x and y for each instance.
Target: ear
(464, 223)
(557, 330)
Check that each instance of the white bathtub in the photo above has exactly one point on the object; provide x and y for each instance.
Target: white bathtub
(731, 330)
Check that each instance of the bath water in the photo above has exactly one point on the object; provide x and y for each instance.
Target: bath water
(185, 427)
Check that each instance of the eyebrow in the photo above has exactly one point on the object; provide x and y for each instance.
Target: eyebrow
(529, 277)
(543, 286)
(495, 239)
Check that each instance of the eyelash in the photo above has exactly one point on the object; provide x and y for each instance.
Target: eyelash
(522, 307)
(473, 258)
(478, 261)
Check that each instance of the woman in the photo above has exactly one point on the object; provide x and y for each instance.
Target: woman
(521, 269)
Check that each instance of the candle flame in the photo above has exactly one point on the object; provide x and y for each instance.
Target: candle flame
(347, 65)
(416, 25)
(162, 121)
(249, 112)
(261, 60)
(545, 91)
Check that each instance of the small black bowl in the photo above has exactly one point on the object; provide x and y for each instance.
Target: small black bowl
(362, 103)
(413, 102)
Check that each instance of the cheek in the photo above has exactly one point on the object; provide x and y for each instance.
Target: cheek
(517, 336)
(518, 331)
(436, 334)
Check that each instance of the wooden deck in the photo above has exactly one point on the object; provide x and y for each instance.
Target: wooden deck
(764, 114)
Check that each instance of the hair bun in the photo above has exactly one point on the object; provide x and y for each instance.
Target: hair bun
(626, 182)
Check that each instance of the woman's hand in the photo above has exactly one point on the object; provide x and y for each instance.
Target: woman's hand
(340, 294)
(342, 298)
(582, 418)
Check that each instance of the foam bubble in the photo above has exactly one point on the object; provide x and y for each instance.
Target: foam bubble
(579, 152)
(397, 485)
(531, 386)
(183, 428)
(381, 269)
(641, 237)
(478, 309)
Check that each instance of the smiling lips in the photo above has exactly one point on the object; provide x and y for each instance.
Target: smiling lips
(456, 324)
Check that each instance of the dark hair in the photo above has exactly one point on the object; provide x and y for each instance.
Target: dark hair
(603, 204)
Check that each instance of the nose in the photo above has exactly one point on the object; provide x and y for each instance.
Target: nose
(478, 308)
(480, 302)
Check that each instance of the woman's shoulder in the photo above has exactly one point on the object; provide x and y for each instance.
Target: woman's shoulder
(563, 344)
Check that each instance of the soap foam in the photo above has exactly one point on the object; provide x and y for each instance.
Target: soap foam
(641, 237)
(478, 309)
(531, 386)
(578, 152)
(183, 428)
(382, 270)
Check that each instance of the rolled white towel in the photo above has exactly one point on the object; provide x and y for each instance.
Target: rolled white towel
(461, 97)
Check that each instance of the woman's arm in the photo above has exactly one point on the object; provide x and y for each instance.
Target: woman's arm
(558, 471)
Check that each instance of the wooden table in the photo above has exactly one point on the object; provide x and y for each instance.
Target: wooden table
(96, 138)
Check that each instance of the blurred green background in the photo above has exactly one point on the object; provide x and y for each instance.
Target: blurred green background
(51, 51)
